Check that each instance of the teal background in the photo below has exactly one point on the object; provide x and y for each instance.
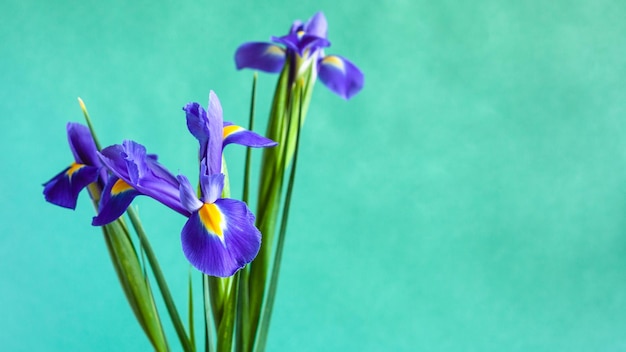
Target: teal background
(471, 198)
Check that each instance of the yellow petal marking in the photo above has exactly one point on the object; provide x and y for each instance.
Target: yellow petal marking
(274, 50)
(211, 218)
(334, 61)
(228, 130)
(73, 168)
(120, 186)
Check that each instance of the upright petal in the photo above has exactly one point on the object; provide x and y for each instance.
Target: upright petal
(340, 75)
(239, 135)
(116, 198)
(207, 127)
(63, 189)
(220, 238)
(317, 25)
(82, 144)
(197, 123)
(265, 57)
(216, 132)
(296, 26)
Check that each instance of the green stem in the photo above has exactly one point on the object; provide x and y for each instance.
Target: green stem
(160, 279)
(227, 324)
(208, 332)
(273, 283)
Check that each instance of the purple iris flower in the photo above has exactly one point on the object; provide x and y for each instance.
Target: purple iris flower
(63, 189)
(304, 46)
(135, 173)
(213, 133)
(219, 237)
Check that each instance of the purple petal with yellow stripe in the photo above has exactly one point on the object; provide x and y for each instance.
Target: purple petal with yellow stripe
(116, 197)
(220, 238)
(265, 57)
(63, 189)
(141, 171)
(340, 75)
(239, 135)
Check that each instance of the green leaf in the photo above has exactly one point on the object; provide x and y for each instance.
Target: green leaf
(160, 279)
(192, 337)
(270, 185)
(126, 263)
(273, 282)
(226, 328)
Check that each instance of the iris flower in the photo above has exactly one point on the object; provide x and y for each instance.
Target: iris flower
(219, 236)
(303, 46)
(134, 173)
(63, 189)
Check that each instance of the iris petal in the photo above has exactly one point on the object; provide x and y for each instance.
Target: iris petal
(82, 144)
(63, 189)
(220, 238)
(215, 124)
(116, 197)
(207, 127)
(212, 186)
(301, 41)
(130, 162)
(317, 25)
(187, 195)
(265, 57)
(340, 75)
(239, 135)
(197, 124)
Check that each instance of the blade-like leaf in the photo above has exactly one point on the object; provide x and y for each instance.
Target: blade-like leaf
(273, 282)
(133, 282)
(160, 279)
(227, 324)
(192, 337)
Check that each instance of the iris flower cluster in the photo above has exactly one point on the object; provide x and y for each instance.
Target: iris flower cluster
(219, 236)
(303, 49)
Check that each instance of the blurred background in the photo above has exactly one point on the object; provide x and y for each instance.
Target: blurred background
(471, 198)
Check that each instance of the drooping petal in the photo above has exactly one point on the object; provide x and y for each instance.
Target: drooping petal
(220, 238)
(130, 162)
(63, 189)
(265, 57)
(302, 43)
(340, 75)
(82, 144)
(116, 197)
(317, 25)
(239, 135)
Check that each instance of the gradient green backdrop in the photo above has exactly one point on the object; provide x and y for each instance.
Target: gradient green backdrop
(471, 198)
